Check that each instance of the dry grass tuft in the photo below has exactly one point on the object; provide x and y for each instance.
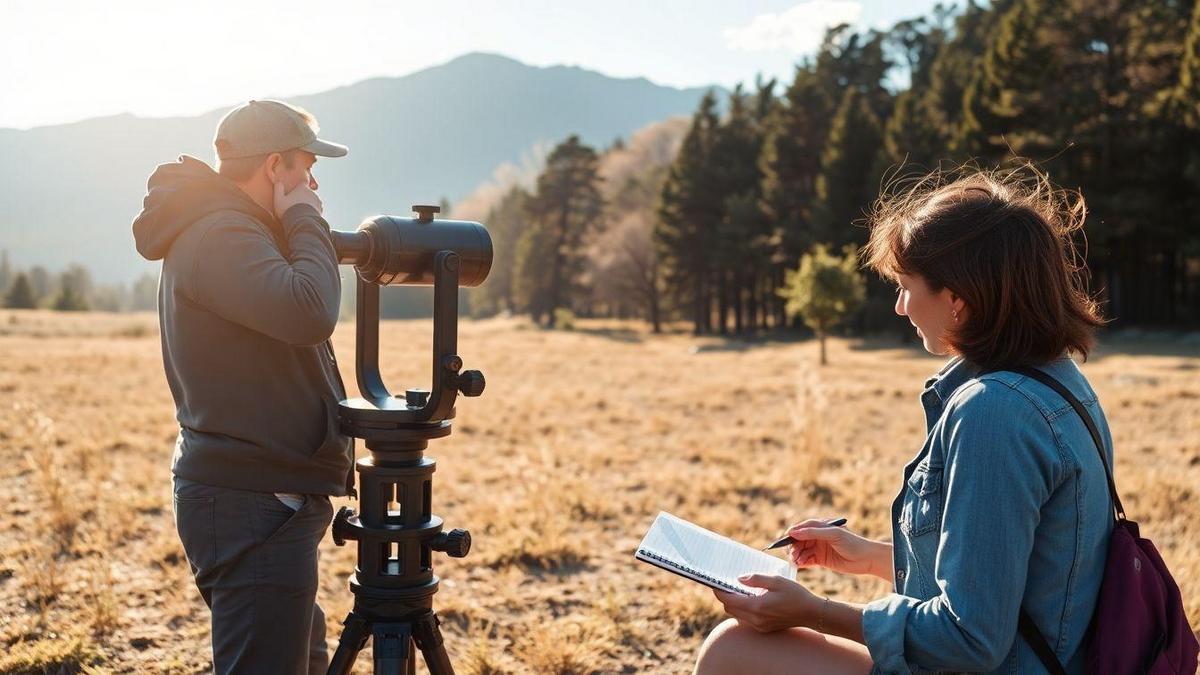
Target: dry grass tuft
(41, 573)
(59, 655)
(484, 656)
(570, 646)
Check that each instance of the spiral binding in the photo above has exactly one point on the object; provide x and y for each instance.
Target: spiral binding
(696, 573)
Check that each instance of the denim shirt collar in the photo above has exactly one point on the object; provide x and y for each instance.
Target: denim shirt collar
(940, 387)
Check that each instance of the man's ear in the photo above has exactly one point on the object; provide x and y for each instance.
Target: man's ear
(272, 166)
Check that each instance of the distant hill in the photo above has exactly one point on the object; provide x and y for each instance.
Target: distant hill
(69, 192)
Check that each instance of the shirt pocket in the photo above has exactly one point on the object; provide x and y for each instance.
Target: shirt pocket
(922, 508)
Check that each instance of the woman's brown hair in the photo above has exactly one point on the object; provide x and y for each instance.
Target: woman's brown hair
(1003, 241)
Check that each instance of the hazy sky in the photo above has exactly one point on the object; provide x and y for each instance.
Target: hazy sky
(62, 61)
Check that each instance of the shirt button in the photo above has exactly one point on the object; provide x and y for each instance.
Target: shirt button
(900, 575)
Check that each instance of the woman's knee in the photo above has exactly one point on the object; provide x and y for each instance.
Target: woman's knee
(722, 648)
(736, 648)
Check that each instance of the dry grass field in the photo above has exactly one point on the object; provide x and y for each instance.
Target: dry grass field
(581, 438)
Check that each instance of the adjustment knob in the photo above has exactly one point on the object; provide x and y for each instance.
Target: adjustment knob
(341, 526)
(456, 543)
(471, 383)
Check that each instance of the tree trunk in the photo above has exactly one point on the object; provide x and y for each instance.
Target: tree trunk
(781, 319)
(723, 303)
(821, 337)
(752, 303)
(739, 325)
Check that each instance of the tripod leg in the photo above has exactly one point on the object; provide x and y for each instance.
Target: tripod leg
(355, 631)
(428, 637)
(392, 645)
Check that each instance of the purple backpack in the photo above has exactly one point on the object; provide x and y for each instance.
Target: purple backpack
(1139, 625)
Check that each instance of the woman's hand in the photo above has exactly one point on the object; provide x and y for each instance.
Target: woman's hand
(838, 549)
(785, 604)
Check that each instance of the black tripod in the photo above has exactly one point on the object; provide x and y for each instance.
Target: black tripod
(393, 582)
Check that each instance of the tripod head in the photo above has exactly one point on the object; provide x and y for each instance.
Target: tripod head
(393, 251)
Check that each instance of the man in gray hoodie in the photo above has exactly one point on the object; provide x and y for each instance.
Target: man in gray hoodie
(247, 300)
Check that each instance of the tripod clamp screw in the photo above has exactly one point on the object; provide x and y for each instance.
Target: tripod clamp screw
(456, 543)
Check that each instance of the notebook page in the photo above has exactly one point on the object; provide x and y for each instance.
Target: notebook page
(694, 547)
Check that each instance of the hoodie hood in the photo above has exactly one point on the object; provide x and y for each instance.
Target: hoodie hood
(181, 193)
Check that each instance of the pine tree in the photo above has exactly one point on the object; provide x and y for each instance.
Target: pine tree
(1004, 97)
(74, 287)
(791, 160)
(70, 300)
(41, 282)
(531, 279)
(1186, 94)
(737, 145)
(565, 208)
(1174, 165)
(20, 294)
(763, 245)
(688, 216)
(847, 185)
(792, 156)
(1183, 112)
(911, 137)
(917, 132)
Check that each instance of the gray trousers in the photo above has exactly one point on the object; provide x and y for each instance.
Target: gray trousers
(255, 563)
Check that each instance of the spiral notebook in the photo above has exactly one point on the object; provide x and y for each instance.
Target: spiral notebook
(691, 551)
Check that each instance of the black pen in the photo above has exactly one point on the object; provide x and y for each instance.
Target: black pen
(787, 540)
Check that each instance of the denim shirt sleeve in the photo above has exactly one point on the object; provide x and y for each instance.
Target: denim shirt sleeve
(1001, 465)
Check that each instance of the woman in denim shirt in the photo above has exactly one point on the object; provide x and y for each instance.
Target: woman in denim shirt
(1006, 505)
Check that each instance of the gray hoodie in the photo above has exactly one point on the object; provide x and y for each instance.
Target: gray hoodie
(246, 305)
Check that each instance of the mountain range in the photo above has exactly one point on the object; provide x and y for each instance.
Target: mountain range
(69, 192)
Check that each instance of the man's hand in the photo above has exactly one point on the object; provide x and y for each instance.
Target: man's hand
(301, 194)
(785, 604)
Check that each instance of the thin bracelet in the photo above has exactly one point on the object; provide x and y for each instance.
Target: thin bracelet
(821, 615)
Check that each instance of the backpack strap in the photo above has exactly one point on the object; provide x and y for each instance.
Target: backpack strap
(1025, 624)
(1037, 641)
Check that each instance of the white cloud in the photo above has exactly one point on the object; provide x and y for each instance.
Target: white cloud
(798, 30)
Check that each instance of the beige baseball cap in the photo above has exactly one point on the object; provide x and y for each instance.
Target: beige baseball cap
(266, 126)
